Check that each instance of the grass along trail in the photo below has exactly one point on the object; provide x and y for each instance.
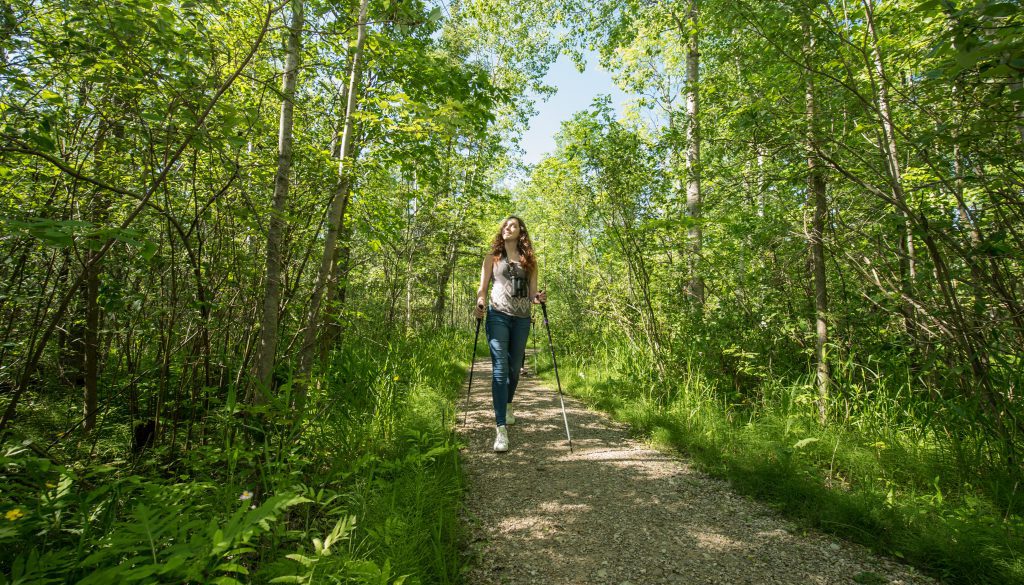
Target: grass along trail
(618, 512)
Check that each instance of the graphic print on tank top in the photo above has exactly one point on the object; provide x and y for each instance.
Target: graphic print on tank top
(511, 291)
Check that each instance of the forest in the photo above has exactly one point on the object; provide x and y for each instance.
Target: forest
(240, 242)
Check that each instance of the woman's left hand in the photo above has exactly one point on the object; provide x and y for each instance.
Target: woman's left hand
(540, 297)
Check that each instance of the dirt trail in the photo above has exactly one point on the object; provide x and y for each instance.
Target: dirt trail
(617, 512)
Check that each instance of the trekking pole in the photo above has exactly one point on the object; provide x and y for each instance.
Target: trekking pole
(554, 363)
(472, 365)
(533, 334)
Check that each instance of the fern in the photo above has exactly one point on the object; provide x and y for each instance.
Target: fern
(173, 542)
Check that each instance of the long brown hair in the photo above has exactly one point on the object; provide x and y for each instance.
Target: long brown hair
(524, 245)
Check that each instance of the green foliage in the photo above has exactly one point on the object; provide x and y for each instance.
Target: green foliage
(919, 454)
(138, 147)
(379, 507)
(139, 143)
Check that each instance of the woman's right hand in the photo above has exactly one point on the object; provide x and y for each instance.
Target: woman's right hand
(479, 309)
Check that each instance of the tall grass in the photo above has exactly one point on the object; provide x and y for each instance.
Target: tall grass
(888, 471)
(364, 489)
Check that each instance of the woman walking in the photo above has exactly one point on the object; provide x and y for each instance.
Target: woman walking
(512, 265)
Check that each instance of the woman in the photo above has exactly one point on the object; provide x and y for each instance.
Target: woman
(513, 266)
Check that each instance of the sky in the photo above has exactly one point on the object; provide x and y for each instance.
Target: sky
(576, 91)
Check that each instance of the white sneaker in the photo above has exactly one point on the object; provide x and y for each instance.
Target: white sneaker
(510, 419)
(501, 441)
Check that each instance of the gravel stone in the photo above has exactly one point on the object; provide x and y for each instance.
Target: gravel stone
(617, 511)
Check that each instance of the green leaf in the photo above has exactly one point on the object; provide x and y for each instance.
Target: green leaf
(436, 451)
(302, 559)
(233, 568)
(1000, 9)
(173, 563)
(52, 97)
(148, 250)
(804, 442)
(42, 141)
(54, 237)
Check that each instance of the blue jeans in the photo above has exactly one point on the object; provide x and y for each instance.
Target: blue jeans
(506, 336)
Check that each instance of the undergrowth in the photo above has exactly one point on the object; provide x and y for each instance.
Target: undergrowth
(365, 489)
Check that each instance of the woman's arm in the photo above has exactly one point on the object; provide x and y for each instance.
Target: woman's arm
(485, 280)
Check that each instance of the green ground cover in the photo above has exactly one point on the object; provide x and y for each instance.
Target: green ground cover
(365, 490)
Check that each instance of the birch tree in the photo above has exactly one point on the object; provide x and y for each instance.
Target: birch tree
(336, 213)
(275, 235)
(817, 201)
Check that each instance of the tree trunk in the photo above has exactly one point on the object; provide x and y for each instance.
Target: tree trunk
(442, 280)
(410, 247)
(91, 344)
(905, 239)
(98, 213)
(335, 215)
(336, 291)
(693, 168)
(275, 235)
(816, 194)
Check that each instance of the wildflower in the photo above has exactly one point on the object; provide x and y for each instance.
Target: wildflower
(246, 495)
(13, 514)
(397, 378)
(252, 507)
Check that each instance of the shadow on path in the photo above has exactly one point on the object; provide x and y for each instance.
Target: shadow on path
(619, 512)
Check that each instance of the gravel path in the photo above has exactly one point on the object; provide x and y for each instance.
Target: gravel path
(617, 512)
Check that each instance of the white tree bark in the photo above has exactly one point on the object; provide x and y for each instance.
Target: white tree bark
(336, 212)
(275, 235)
(693, 168)
(816, 197)
(905, 239)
